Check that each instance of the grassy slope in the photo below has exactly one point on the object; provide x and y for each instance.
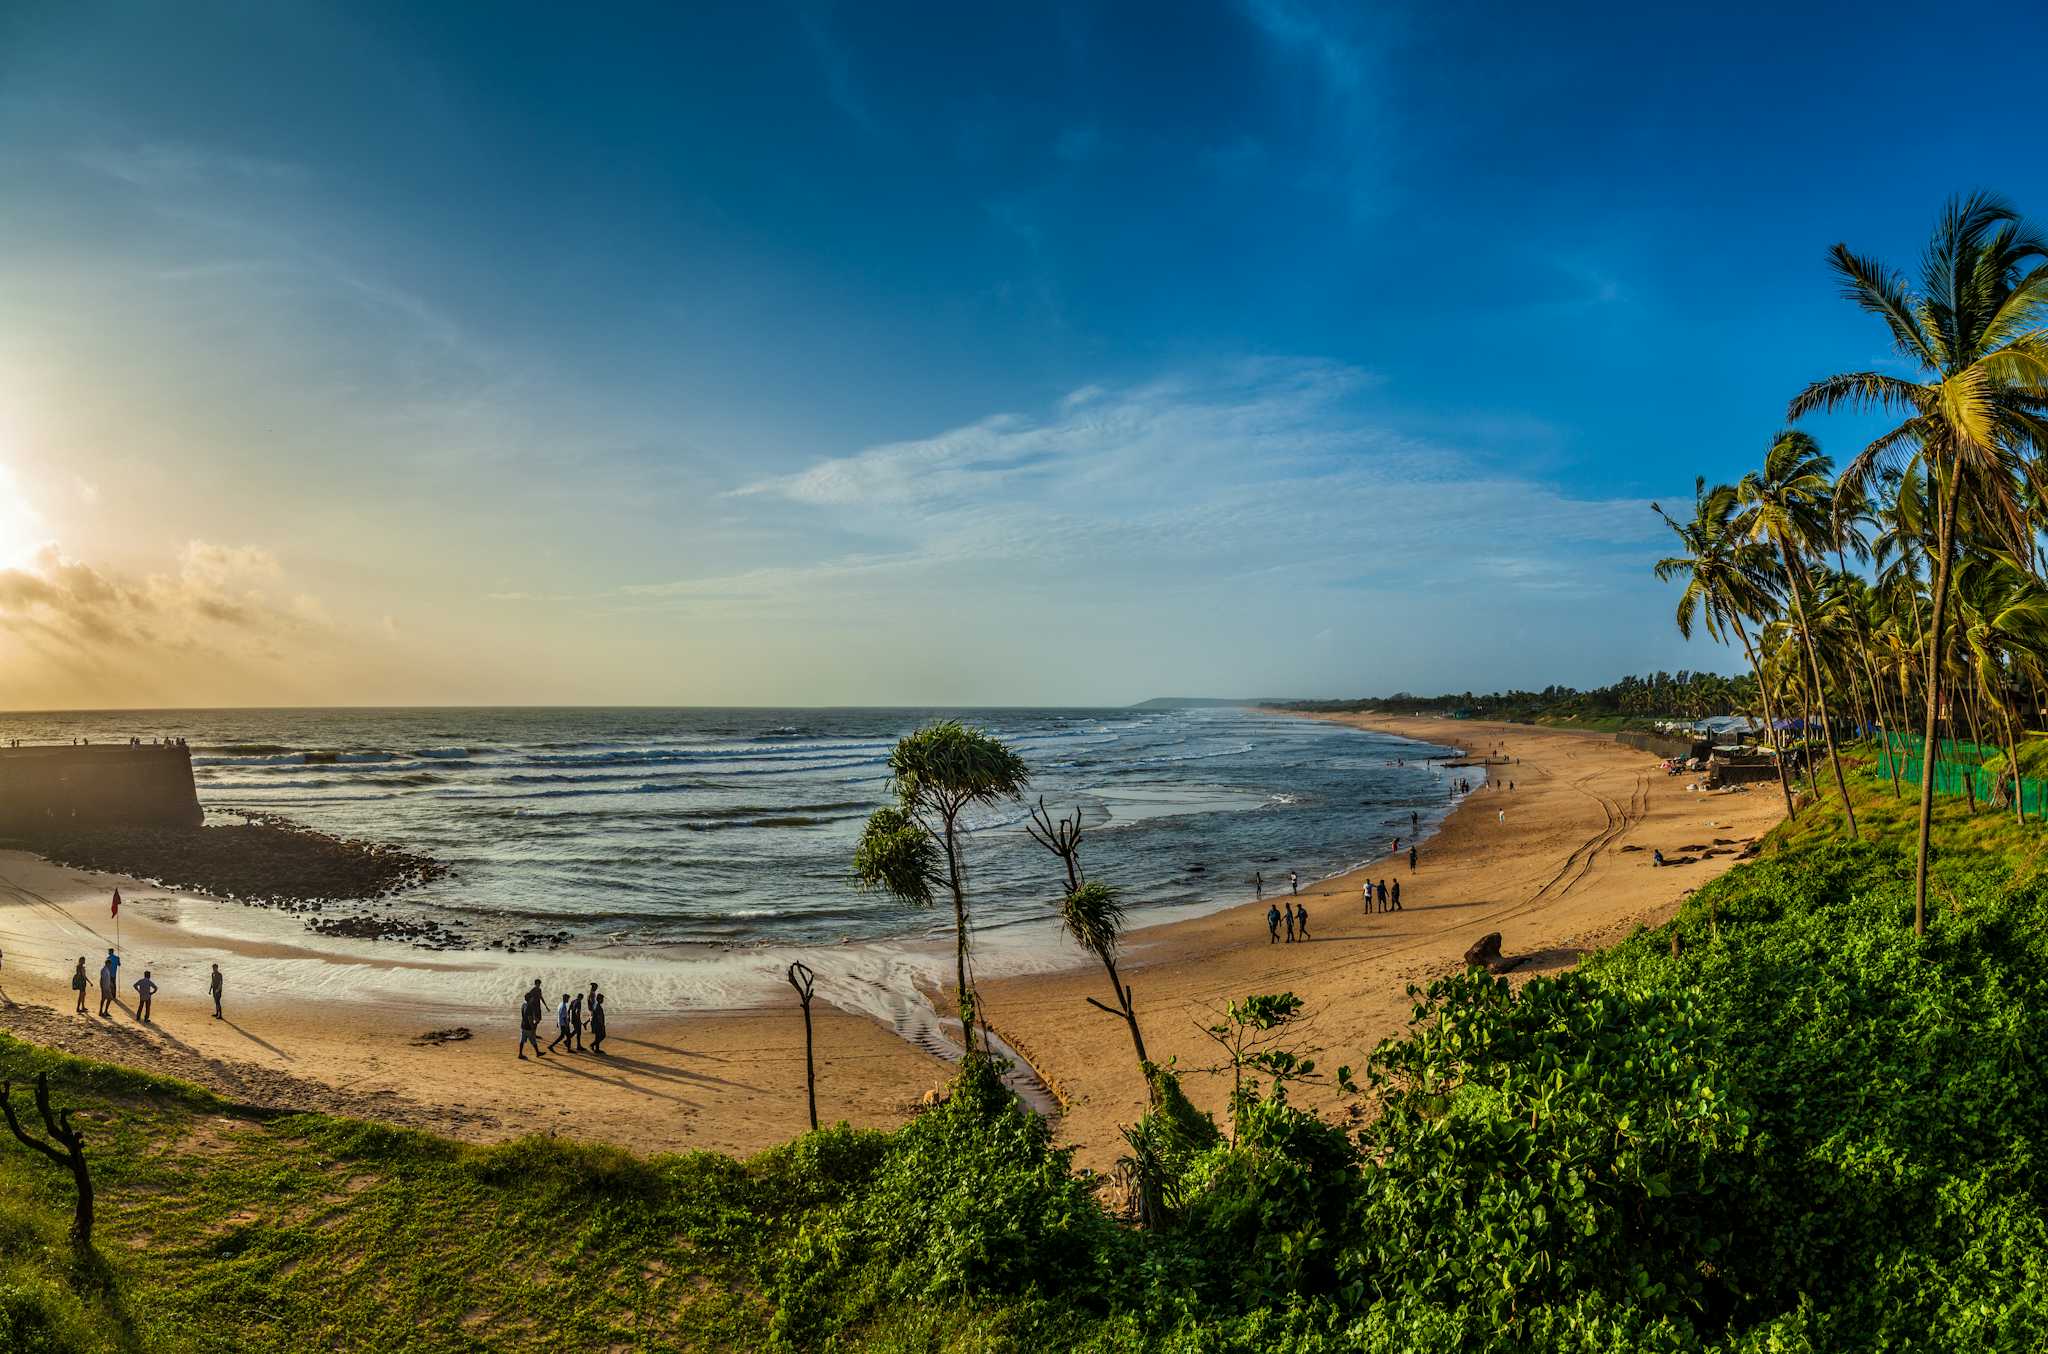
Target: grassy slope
(220, 1229)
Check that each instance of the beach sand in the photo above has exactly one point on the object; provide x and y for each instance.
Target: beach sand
(1547, 864)
(314, 1024)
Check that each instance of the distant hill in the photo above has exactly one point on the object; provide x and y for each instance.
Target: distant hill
(1187, 703)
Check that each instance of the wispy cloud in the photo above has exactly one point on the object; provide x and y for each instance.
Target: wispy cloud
(160, 164)
(1343, 51)
(835, 63)
(1272, 474)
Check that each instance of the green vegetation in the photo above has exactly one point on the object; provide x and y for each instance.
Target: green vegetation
(1808, 1130)
(1947, 505)
(1632, 702)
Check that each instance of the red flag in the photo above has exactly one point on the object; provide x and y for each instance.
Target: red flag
(117, 904)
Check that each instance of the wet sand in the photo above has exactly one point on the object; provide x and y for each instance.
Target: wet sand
(316, 1025)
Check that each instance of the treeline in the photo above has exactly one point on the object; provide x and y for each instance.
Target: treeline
(1681, 695)
(1943, 626)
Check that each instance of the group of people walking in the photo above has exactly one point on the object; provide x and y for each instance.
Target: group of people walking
(572, 1016)
(1294, 915)
(146, 988)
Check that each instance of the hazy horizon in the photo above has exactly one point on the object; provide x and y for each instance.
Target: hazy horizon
(387, 355)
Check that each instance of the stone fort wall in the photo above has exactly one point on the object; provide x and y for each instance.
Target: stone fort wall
(116, 785)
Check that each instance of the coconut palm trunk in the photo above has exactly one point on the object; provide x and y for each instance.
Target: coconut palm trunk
(1943, 532)
(1763, 692)
(1884, 723)
(1796, 577)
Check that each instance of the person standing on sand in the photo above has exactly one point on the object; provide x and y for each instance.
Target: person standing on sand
(1411, 858)
(213, 988)
(576, 1022)
(1294, 881)
(597, 1022)
(107, 984)
(145, 988)
(1368, 897)
(1301, 919)
(529, 1021)
(79, 983)
(1272, 925)
(1395, 902)
(1258, 883)
(561, 1025)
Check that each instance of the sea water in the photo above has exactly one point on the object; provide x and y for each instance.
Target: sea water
(724, 828)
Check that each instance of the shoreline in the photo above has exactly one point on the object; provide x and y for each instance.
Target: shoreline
(307, 1012)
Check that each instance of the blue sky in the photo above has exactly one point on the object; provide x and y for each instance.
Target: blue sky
(766, 353)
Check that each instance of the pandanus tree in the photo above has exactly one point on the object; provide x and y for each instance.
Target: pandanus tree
(912, 849)
(1974, 414)
(1725, 579)
(1092, 915)
(1787, 505)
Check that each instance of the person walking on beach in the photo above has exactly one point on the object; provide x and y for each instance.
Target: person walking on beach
(1294, 881)
(529, 1021)
(1411, 858)
(1368, 897)
(1272, 925)
(590, 1002)
(597, 1022)
(1301, 919)
(576, 1022)
(1394, 901)
(1258, 883)
(107, 984)
(561, 1025)
(1383, 895)
(79, 983)
(1414, 821)
(214, 985)
(1287, 915)
(145, 988)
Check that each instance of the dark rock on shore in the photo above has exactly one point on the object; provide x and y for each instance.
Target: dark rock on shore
(264, 859)
(1485, 953)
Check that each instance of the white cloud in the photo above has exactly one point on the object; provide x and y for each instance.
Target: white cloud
(1265, 476)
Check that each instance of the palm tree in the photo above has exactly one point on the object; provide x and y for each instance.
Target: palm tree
(1788, 506)
(2004, 621)
(1093, 915)
(1974, 333)
(1725, 578)
(912, 848)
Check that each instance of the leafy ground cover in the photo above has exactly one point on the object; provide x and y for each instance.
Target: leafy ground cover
(1804, 1130)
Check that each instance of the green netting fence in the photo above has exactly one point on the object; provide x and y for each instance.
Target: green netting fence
(1958, 769)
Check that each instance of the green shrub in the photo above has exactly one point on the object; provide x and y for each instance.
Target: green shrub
(971, 1200)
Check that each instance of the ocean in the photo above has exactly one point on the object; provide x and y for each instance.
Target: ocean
(735, 828)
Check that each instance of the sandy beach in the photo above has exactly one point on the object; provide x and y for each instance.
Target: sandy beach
(1559, 864)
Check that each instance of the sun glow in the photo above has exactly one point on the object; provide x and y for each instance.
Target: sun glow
(21, 526)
